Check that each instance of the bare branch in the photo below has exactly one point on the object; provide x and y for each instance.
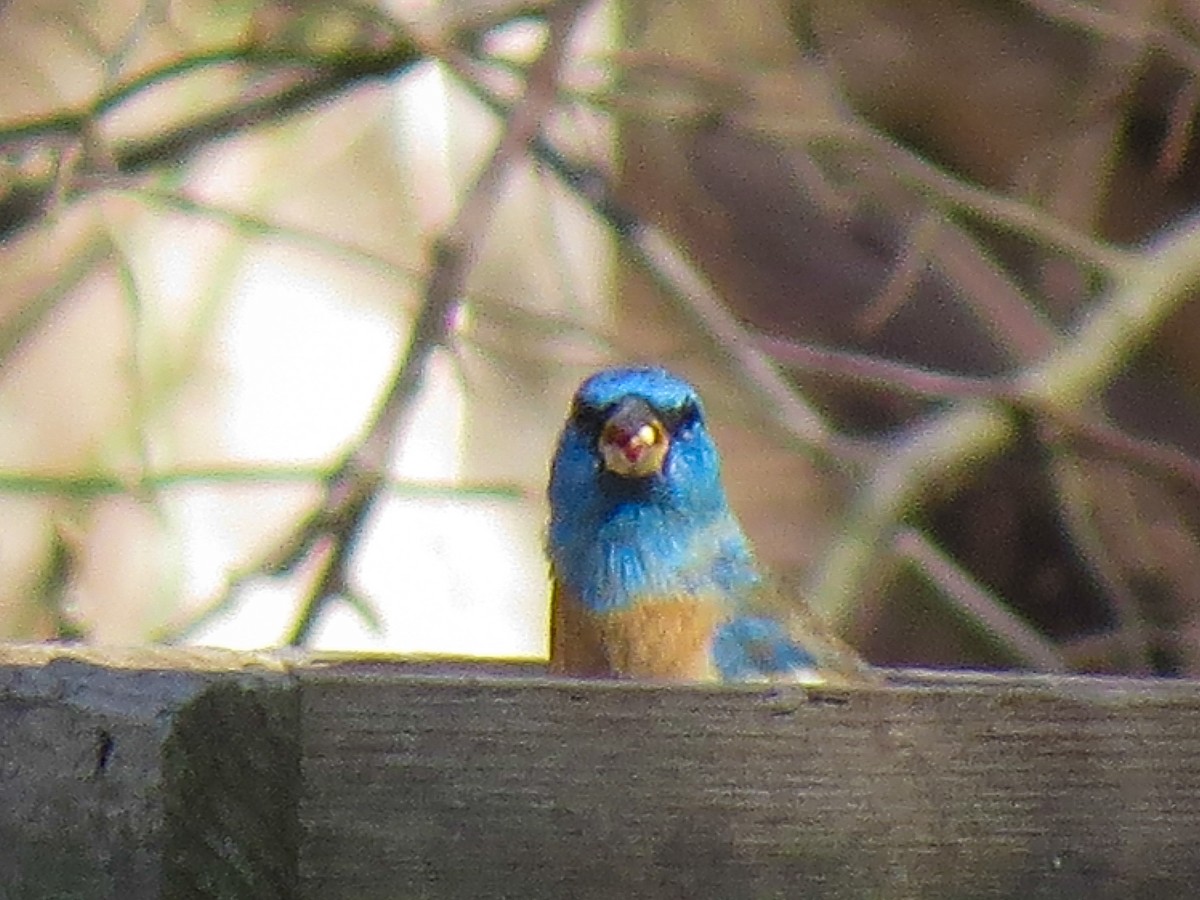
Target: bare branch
(928, 452)
(353, 491)
(970, 599)
(943, 190)
(1165, 277)
(309, 80)
(679, 279)
(881, 373)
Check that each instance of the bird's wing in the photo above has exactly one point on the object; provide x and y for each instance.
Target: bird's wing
(797, 645)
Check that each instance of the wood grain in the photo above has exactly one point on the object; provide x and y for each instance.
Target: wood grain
(242, 776)
(146, 774)
(944, 786)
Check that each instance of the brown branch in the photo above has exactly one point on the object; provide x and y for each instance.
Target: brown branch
(1077, 509)
(311, 80)
(1149, 456)
(946, 191)
(906, 271)
(319, 81)
(1137, 29)
(1079, 427)
(354, 490)
(68, 274)
(970, 599)
(993, 295)
(880, 373)
(681, 281)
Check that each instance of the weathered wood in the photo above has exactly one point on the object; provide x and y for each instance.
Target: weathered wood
(945, 787)
(146, 775)
(177, 775)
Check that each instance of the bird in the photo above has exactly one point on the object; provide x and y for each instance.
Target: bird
(652, 576)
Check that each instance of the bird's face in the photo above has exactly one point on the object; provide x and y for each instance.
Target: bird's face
(635, 449)
(636, 426)
(636, 502)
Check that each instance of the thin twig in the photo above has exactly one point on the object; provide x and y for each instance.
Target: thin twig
(981, 606)
(881, 373)
(679, 279)
(255, 225)
(266, 60)
(905, 273)
(1152, 457)
(104, 485)
(1114, 329)
(1138, 29)
(353, 492)
(964, 435)
(21, 325)
(992, 293)
(845, 132)
(1180, 131)
(1075, 489)
(313, 79)
(946, 191)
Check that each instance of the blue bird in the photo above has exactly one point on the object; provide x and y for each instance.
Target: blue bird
(651, 574)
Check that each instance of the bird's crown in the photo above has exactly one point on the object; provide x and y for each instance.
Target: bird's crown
(656, 386)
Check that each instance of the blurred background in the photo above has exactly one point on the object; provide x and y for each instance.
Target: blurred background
(295, 295)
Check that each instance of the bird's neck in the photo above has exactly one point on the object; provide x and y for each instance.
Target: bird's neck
(630, 551)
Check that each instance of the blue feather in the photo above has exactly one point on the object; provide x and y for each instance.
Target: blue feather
(752, 647)
(612, 540)
(653, 575)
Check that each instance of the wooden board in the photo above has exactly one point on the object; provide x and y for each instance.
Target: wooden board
(947, 786)
(146, 774)
(174, 774)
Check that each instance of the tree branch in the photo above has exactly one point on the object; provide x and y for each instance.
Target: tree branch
(353, 491)
(311, 79)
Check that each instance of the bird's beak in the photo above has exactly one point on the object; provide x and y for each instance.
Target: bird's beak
(633, 442)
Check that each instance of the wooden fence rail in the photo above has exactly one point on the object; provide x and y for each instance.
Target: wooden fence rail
(179, 774)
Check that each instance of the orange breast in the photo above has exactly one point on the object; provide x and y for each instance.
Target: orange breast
(667, 638)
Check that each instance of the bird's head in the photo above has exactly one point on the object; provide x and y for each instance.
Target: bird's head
(636, 432)
(635, 488)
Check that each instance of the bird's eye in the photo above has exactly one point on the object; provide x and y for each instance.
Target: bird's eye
(680, 419)
(587, 418)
